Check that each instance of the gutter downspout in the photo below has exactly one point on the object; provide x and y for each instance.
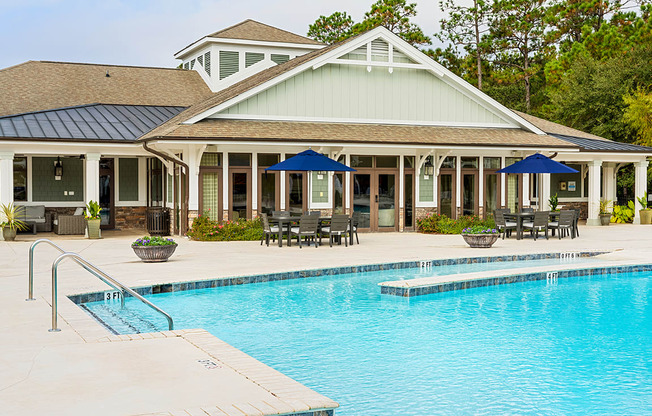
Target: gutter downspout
(186, 198)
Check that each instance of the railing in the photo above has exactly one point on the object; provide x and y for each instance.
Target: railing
(96, 271)
(31, 271)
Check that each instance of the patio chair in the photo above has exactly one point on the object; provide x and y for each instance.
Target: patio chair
(280, 213)
(308, 227)
(339, 227)
(316, 213)
(70, 224)
(528, 209)
(355, 218)
(268, 231)
(503, 226)
(539, 223)
(577, 219)
(566, 224)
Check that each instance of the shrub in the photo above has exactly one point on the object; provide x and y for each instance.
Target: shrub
(205, 229)
(441, 224)
(623, 213)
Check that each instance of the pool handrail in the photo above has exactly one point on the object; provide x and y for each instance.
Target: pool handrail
(95, 270)
(30, 295)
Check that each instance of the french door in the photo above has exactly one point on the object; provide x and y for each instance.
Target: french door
(447, 180)
(375, 199)
(239, 193)
(107, 200)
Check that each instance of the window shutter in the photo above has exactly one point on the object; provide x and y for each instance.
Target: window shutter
(252, 58)
(229, 63)
(207, 62)
(279, 59)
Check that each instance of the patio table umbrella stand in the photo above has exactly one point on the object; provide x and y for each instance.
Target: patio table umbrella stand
(310, 161)
(537, 163)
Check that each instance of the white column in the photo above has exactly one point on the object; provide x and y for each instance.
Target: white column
(640, 186)
(526, 189)
(594, 193)
(225, 181)
(92, 177)
(254, 181)
(347, 186)
(609, 181)
(503, 184)
(193, 176)
(401, 180)
(458, 183)
(481, 182)
(282, 179)
(6, 177)
(435, 182)
(545, 191)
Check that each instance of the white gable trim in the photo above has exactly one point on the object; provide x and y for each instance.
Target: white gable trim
(212, 40)
(453, 80)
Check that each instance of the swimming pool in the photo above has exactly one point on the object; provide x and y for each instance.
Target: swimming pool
(579, 346)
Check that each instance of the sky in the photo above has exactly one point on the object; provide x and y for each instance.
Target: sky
(148, 33)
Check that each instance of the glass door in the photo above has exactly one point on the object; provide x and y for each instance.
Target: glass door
(469, 194)
(385, 199)
(362, 199)
(268, 192)
(446, 195)
(296, 191)
(240, 195)
(338, 193)
(408, 200)
(210, 193)
(107, 203)
(491, 193)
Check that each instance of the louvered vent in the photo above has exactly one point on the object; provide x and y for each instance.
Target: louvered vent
(279, 59)
(192, 64)
(200, 59)
(359, 54)
(400, 57)
(379, 50)
(186, 65)
(252, 58)
(207, 62)
(229, 63)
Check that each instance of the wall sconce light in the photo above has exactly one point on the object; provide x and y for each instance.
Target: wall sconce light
(58, 169)
(320, 174)
(428, 169)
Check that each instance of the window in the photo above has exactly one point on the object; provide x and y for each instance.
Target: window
(449, 163)
(267, 159)
(362, 161)
(20, 179)
(211, 159)
(252, 58)
(239, 159)
(469, 162)
(408, 162)
(229, 63)
(491, 163)
(386, 161)
(128, 174)
(279, 59)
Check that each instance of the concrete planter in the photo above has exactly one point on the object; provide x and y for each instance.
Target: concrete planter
(480, 240)
(646, 216)
(605, 219)
(8, 234)
(93, 227)
(154, 254)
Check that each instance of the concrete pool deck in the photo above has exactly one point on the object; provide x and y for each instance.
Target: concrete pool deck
(85, 370)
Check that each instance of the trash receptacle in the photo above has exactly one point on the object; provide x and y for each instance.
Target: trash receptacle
(158, 221)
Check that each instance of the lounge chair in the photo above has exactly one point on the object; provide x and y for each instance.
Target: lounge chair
(539, 223)
(308, 227)
(339, 227)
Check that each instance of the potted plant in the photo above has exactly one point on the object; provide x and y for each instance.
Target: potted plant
(154, 249)
(646, 211)
(553, 201)
(92, 214)
(605, 213)
(11, 223)
(477, 236)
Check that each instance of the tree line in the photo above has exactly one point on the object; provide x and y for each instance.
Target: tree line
(586, 64)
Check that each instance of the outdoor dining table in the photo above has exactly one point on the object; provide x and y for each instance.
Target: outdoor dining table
(288, 220)
(518, 217)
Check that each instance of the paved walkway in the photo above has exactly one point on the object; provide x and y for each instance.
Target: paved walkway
(85, 370)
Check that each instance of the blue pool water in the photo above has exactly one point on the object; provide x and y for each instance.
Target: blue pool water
(582, 345)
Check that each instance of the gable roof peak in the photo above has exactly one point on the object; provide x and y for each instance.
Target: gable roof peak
(253, 30)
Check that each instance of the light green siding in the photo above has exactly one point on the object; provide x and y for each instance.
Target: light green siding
(350, 92)
(128, 174)
(319, 188)
(425, 189)
(45, 188)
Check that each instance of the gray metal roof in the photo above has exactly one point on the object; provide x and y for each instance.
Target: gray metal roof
(593, 145)
(88, 122)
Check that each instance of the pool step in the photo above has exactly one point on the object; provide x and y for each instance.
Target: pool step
(123, 321)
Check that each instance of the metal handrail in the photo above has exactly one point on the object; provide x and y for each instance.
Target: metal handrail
(87, 265)
(31, 270)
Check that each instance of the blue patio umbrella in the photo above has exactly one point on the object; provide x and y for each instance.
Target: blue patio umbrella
(309, 161)
(537, 163)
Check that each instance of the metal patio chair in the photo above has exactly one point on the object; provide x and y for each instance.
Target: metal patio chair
(269, 231)
(503, 226)
(566, 224)
(538, 223)
(308, 227)
(339, 227)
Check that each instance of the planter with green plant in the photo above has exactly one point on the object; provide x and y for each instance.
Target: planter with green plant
(605, 213)
(93, 221)
(154, 249)
(645, 212)
(11, 224)
(553, 201)
(479, 236)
